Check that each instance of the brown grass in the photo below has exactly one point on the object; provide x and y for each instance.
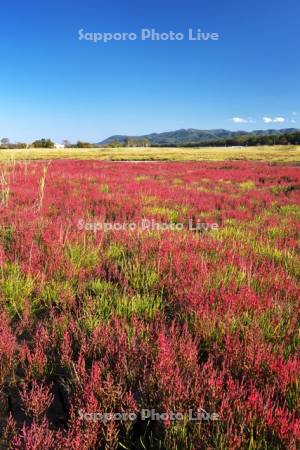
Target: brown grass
(278, 154)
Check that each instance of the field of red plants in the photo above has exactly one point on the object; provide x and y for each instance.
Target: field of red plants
(99, 324)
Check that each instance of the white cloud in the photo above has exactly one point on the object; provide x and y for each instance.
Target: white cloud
(274, 119)
(240, 120)
(293, 121)
(267, 119)
(294, 113)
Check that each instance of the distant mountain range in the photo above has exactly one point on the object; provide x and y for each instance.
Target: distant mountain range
(191, 135)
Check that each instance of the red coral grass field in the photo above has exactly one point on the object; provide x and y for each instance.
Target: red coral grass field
(100, 324)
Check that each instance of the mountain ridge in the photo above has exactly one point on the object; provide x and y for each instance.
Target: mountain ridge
(191, 135)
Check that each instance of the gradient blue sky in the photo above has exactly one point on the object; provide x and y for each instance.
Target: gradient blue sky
(53, 85)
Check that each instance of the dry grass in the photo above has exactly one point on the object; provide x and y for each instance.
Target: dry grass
(278, 154)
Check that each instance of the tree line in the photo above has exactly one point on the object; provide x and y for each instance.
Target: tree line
(239, 140)
(244, 141)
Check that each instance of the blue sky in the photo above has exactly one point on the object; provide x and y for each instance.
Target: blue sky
(54, 85)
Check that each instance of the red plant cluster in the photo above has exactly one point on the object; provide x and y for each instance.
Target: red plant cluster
(122, 321)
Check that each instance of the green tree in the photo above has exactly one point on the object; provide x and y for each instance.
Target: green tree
(43, 143)
(81, 144)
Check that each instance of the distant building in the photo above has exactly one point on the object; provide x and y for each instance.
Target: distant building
(59, 146)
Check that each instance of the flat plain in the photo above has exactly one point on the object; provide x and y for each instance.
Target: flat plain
(277, 154)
